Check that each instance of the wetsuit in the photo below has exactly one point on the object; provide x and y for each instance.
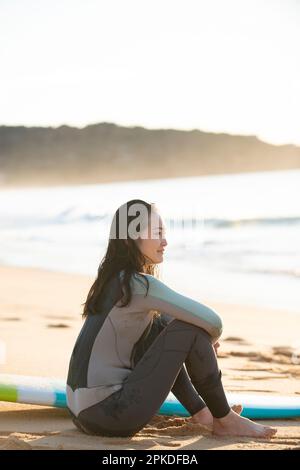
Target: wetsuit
(124, 363)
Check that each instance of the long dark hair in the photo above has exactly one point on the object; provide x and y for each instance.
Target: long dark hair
(121, 254)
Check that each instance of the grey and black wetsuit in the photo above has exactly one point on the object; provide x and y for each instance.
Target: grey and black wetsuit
(126, 360)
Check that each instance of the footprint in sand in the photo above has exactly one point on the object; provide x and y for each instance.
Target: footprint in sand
(283, 350)
(263, 357)
(236, 339)
(58, 325)
(263, 377)
(10, 319)
(250, 354)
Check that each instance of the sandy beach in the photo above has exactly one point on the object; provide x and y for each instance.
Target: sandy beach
(40, 317)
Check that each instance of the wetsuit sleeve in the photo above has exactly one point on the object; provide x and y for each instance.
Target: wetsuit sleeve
(176, 305)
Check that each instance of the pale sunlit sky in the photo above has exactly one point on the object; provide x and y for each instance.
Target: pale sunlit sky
(216, 65)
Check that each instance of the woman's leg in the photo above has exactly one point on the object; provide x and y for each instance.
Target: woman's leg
(183, 388)
(128, 410)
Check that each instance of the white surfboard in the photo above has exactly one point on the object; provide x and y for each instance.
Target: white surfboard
(51, 391)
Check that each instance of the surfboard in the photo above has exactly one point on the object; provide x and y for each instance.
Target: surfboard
(51, 391)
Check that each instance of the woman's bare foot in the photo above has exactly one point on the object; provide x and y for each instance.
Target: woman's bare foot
(235, 425)
(205, 417)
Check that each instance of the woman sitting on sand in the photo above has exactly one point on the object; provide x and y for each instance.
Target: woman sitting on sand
(141, 339)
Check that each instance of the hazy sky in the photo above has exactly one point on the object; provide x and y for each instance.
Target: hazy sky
(216, 65)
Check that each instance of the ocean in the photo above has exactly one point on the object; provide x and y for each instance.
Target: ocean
(236, 236)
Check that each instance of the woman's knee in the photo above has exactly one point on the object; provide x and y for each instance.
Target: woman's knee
(181, 324)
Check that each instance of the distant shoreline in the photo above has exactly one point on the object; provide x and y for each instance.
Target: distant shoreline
(107, 153)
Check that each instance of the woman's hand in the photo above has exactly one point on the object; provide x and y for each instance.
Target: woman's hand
(216, 346)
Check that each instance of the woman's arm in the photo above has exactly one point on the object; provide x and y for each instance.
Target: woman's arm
(174, 304)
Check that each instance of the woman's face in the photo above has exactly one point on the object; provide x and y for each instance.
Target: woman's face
(153, 242)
